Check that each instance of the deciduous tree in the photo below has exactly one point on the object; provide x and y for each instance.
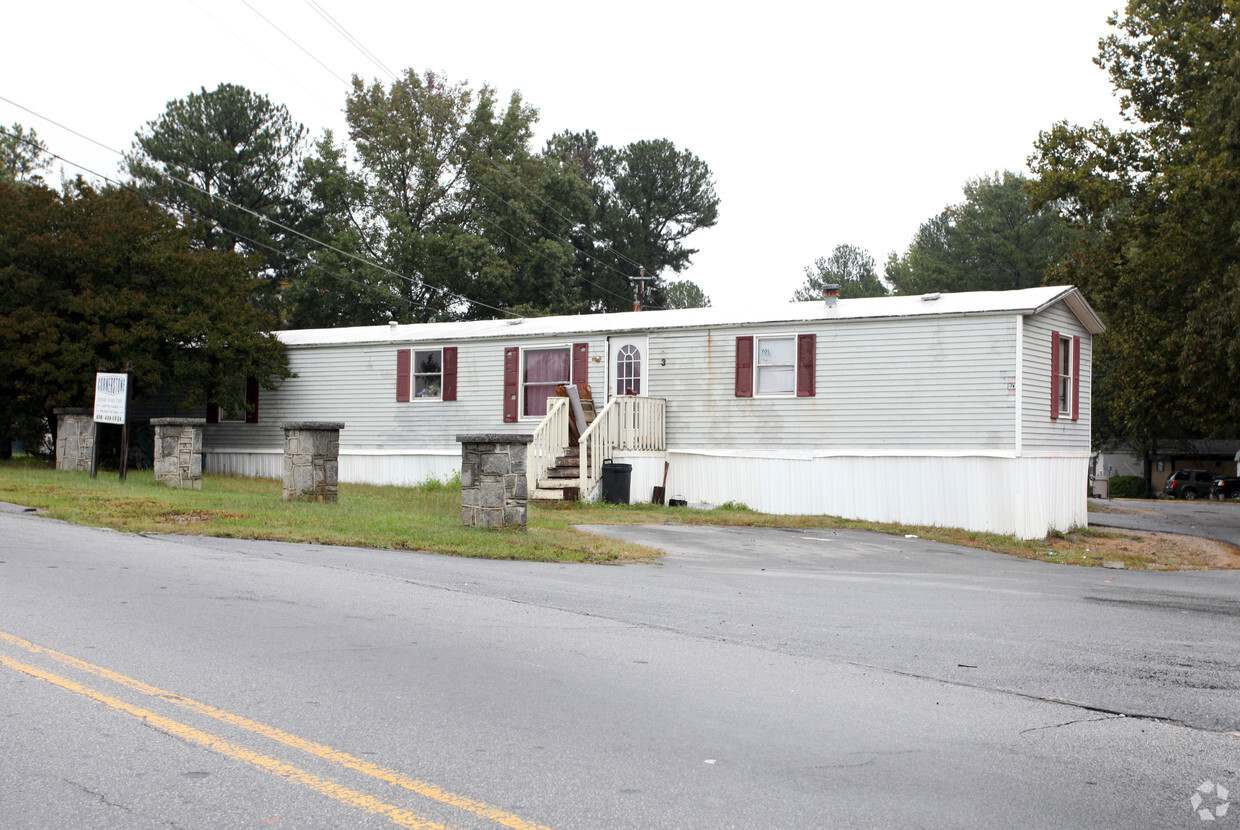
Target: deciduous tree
(1158, 204)
(98, 276)
(448, 203)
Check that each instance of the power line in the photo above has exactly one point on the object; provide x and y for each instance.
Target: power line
(294, 42)
(340, 28)
(388, 295)
(267, 220)
(357, 44)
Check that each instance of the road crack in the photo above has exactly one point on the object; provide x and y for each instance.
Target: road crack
(1069, 723)
(97, 795)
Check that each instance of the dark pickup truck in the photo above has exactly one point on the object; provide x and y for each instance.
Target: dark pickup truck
(1226, 488)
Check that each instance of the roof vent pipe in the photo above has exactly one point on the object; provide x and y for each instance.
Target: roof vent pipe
(830, 293)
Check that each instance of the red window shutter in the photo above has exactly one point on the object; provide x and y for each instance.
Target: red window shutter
(744, 367)
(1076, 378)
(404, 371)
(1054, 375)
(512, 384)
(449, 373)
(581, 363)
(213, 413)
(807, 347)
(251, 400)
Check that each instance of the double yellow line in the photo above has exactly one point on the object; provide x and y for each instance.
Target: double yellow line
(397, 815)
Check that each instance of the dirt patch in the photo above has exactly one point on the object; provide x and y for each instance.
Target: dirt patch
(190, 517)
(1150, 551)
(1122, 506)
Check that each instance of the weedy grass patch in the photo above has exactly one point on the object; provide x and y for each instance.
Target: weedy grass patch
(427, 518)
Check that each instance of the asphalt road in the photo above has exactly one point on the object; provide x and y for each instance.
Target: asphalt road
(753, 678)
(1217, 520)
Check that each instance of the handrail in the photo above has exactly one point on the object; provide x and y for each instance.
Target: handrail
(628, 422)
(550, 442)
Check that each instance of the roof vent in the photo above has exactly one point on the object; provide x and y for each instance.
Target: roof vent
(830, 294)
(392, 325)
(929, 298)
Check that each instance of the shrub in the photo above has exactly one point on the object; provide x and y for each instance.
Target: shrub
(1127, 487)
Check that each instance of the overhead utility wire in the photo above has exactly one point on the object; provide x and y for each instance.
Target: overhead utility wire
(366, 52)
(357, 44)
(152, 200)
(262, 55)
(323, 13)
(267, 220)
(294, 42)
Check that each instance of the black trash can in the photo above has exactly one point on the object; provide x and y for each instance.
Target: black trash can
(616, 479)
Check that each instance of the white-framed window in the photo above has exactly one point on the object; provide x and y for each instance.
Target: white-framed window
(628, 370)
(542, 370)
(1064, 392)
(775, 365)
(428, 374)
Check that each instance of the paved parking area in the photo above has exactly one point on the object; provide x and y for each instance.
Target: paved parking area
(1217, 520)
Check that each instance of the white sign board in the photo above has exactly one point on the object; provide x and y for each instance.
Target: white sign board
(111, 395)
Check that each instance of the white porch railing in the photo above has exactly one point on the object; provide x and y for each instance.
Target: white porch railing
(628, 422)
(550, 441)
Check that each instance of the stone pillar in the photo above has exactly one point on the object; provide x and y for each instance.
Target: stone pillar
(494, 492)
(178, 452)
(75, 438)
(312, 460)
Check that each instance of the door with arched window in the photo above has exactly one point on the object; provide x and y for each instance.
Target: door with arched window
(628, 367)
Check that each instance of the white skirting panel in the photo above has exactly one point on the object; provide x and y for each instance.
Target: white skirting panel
(646, 475)
(405, 470)
(248, 464)
(1025, 497)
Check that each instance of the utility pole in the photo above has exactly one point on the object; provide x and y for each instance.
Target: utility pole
(639, 289)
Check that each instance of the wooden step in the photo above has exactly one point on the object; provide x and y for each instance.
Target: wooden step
(553, 494)
(558, 483)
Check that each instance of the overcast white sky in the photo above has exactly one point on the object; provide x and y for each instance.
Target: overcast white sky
(824, 123)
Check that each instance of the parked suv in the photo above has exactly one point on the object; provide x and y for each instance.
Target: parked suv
(1188, 484)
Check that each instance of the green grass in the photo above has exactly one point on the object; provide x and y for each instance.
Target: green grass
(427, 518)
(398, 518)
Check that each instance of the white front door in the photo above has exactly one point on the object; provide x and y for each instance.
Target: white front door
(627, 366)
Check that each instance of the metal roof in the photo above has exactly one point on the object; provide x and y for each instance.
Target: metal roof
(1023, 301)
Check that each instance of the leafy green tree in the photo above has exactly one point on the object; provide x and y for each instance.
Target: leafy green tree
(1157, 205)
(22, 154)
(446, 203)
(992, 241)
(228, 157)
(684, 294)
(649, 197)
(98, 276)
(849, 267)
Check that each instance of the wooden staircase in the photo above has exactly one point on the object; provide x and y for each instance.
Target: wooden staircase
(560, 466)
(562, 481)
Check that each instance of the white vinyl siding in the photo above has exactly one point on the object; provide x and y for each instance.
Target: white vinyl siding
(356, 384)
(1040, 433)
(922, 383)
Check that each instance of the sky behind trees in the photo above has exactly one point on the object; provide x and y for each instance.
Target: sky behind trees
(823, 126)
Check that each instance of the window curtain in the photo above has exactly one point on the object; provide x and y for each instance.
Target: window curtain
(545, 369)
